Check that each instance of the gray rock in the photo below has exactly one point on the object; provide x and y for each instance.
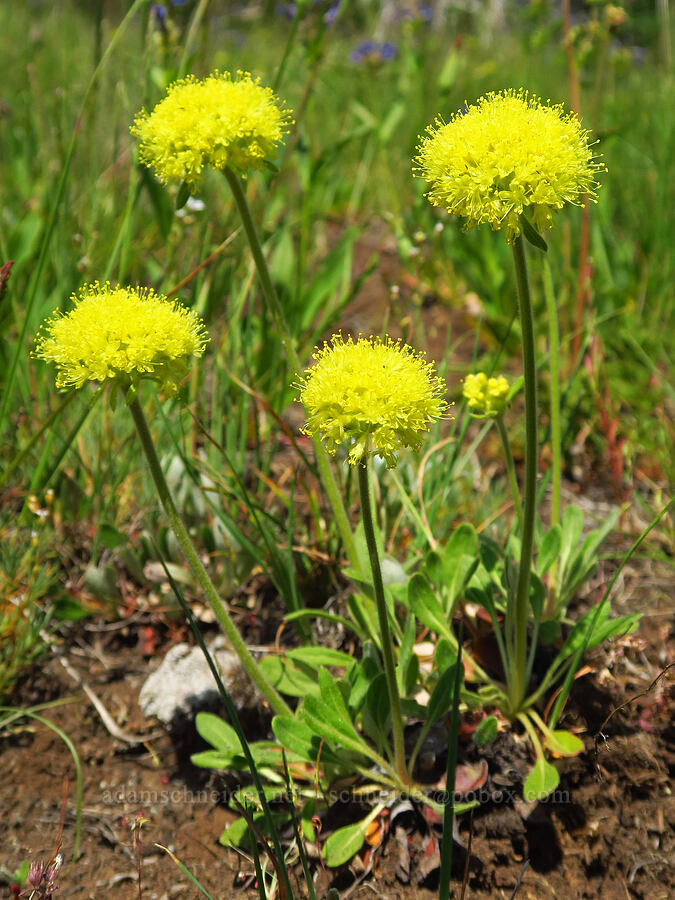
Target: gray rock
(183, 684)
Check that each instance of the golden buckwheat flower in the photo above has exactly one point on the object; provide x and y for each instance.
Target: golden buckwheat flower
(377, 396)
(487, 397)
(121, 334)
(507, 154)
(215, 122)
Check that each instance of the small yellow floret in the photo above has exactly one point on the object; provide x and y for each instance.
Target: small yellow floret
(378, 397)
(508, 154)
(216, 122)
(121, 334)
(487, 397)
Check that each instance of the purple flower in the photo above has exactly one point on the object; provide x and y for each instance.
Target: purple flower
(331, 12)
(159, 12)
(289, 10)
(372, 51)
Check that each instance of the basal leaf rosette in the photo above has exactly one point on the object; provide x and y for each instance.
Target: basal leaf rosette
(487, 397)
(213, 122)
(121, 334)
(376, 396)
(507, 155)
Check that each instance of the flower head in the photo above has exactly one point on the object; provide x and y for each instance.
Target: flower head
(487, 397)
(121, 334)
(215, 122)
(379, 396)
(508, 153)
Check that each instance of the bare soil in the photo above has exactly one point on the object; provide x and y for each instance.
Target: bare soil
(608, 833)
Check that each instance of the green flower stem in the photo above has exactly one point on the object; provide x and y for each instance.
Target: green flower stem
(274, 306)
(510, 468)
(383, 619)
(517, 686)
(250, 666)
(532, 734)
(556, 443)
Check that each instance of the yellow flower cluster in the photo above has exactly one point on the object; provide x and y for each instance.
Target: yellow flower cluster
(487, 397)
(377, 396)
(506, 154)
(215, 122)
(124, 334)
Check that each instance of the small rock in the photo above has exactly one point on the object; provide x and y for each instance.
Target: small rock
(184, 684)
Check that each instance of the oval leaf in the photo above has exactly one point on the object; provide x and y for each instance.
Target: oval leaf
(564, 743)
(343, 844)
(426, 606)
(486, 731)
(218, 733)
(542, 781)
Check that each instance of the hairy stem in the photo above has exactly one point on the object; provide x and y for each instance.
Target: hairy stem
(288, 344)
(383, 620)
(510, 468)
(517, 686)
(249, 664)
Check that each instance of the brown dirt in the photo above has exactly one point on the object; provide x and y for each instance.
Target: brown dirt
(609, 833)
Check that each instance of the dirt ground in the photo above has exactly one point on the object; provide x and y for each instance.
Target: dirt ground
(609, 833)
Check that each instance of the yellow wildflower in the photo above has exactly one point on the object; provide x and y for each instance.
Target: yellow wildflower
(121, 334)
(507, 154)
(377, 396)
(487, 397)
(215, 122)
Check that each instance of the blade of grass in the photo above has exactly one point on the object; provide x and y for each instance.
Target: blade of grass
(31, 714)
(184, 869)
(561, 699)
(448, 817)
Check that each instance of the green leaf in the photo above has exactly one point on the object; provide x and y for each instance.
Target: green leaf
(460, 560)
(317, 717)
(329, 716)
(344, 843)
(235, 833)
(183, 195)
(542, 781)
(550, 549)
(577, 635)
(297, 737)
(406, 654)
(571, 527)
(486, 731)
(218, 760)
(287, 677)
(377, 713)
(217, 732)
(67, 609)
(426, 606)
(307, 813)
(549, 632)
(361, 676)
(433, 566)
(320, 656)
(564, 743)
(445, 655)
(441, 697)
(110, 536)
(532, 235)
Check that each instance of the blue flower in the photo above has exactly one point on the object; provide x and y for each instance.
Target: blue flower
(159, 12)
(373, 52)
